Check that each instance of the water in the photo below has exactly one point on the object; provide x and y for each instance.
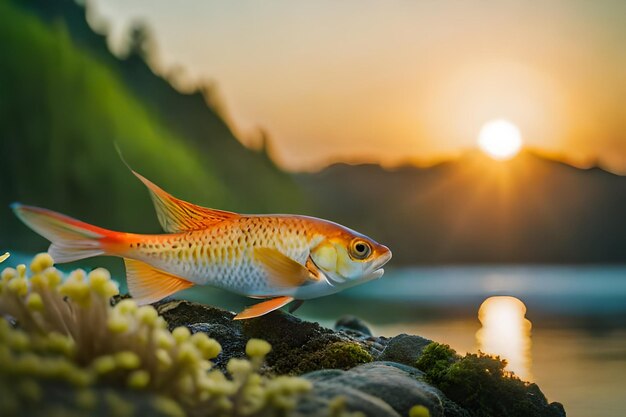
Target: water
(562, 327)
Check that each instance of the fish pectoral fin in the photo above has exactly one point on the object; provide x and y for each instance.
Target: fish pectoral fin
(263, 308)
(176, 215)
(147, 284)
(282, 271)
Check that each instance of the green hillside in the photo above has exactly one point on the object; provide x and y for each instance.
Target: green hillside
(62, 108)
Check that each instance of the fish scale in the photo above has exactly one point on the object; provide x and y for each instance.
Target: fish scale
(223, 256)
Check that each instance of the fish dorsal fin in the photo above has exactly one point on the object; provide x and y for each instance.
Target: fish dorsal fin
(148, 285)
(176, 215)
(263, 308)
(282, 271)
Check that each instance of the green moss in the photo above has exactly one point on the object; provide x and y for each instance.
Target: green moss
(435, 360)
(480, 384)
(337, 355)
(299, 346)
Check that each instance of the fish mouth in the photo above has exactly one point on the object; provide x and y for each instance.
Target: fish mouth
(376, 274)
(382, 260)
(378, 270)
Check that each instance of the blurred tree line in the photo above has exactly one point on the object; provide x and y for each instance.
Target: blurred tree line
(65, 100)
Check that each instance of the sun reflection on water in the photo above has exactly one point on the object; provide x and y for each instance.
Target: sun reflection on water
(505, 332)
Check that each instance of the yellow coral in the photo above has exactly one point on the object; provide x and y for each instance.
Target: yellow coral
(168, 407)
(209, 347)
(71, 333)
(127, 360)
(181, 334)
(8, 273)
(41, 262)
(19, 286)
(118, 324)
(139, 379)
(238, 367)
(257, 348)
(100, 282)
(104, 364)
(419, 411)
(76, 288)
(34, 302)
(146, 315)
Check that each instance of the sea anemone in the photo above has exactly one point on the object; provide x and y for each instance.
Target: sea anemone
(66, 330)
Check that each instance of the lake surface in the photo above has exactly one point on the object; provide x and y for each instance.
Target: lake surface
(563, 327)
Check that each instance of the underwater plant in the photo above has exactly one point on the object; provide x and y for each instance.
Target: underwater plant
(65, 331)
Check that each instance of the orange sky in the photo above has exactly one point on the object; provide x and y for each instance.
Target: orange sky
(400, 81)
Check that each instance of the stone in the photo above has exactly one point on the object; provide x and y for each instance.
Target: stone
(404, 349)
(374, 375)
(353, 324)
(391, 384)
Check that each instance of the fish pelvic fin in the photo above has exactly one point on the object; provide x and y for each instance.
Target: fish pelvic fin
(282, 271)
(71, 239)
(176, 215)
(263, 308)
(295, 306)
(147, 284)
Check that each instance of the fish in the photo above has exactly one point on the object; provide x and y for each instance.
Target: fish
(276, 258)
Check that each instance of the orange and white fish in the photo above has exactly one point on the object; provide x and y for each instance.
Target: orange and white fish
(280, 258)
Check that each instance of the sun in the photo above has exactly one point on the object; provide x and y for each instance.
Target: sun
(500, 139)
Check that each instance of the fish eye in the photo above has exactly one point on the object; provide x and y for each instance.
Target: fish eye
(360, 249)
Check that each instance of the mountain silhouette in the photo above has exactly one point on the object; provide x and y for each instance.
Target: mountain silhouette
(477, 210)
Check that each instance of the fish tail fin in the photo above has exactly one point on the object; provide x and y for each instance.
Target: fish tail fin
(71, 239)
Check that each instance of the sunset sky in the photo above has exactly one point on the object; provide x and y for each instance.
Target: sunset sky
(399, 81)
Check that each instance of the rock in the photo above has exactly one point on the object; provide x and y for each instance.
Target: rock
(184, 313)
(396, 386)
(229, 337)
(404, 349)
(297, 346)
(351, 324)
(375, 375)
(324, 392)
(479, 384)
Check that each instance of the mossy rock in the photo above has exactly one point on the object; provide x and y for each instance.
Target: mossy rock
(297, 346)
(336, 355)
(394, 387)
(479, 383)
(404, 349)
